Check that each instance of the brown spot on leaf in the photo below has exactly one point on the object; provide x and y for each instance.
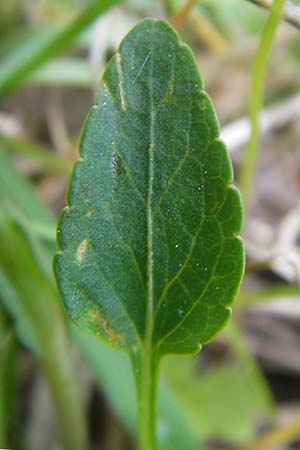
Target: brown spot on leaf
(99, 320)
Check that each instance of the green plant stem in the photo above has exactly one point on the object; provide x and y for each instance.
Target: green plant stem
(145, 366)
(290, 13)
(257, 98)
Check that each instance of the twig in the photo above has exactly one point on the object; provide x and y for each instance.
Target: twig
(202, 26)
(291, 13)
(277, 247)
(236, 133)
(181, 17)
(278, 437)
(207, 32)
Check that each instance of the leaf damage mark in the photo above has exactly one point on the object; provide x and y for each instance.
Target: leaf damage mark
(142, 66)
(115, 165)
(81, 250)
(121, 81)
(169, 94)
(107, 89)
(99, 320)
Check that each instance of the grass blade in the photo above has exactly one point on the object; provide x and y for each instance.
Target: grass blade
(44, 44)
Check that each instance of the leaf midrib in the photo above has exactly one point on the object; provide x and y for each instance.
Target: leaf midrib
(149, 306)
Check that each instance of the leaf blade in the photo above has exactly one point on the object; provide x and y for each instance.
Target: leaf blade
(151, 204)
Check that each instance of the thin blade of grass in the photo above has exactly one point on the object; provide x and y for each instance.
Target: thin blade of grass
(44, 44)
(51, 161)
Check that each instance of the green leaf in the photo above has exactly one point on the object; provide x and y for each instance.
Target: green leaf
(20, 298)
(231, 413)
(149, 248)
(24, 206)
(45, 43)
(149, 255)
(19, 201)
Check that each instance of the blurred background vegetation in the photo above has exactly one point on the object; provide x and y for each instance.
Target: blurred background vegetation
(61, 388)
